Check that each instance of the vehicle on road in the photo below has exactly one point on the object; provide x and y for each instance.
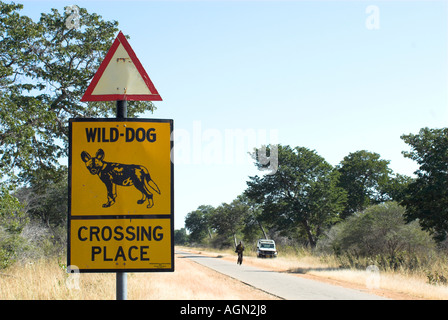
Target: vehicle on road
(266, 248)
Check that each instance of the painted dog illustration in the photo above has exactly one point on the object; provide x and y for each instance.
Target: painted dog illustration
(113, 174)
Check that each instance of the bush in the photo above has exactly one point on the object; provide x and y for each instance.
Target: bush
(12, 222)
(381, 234)
(42, 241)
(11, 244)
(25, 238)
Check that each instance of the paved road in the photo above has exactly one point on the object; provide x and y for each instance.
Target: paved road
(282, 285)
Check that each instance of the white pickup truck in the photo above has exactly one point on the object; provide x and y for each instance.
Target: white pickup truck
(266, 248)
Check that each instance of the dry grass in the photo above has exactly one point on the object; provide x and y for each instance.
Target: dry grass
(45, 279)
(391, 284)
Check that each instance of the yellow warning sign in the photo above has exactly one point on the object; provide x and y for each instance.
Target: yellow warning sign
(121, 244)
(121, 205)
(121, 167)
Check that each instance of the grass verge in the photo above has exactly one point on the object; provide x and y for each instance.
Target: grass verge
(47, 280)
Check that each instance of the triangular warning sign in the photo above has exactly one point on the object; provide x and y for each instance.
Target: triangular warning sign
(121, 77)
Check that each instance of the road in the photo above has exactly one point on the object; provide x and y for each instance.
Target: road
(282, 285)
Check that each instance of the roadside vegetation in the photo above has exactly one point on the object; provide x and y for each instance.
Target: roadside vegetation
(45, 68)
(353, 215)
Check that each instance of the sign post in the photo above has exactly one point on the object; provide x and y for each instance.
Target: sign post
(121, 277)
(121, 178)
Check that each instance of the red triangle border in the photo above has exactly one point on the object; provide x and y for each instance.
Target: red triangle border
(115, 97)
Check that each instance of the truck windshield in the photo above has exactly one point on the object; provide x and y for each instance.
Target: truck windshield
(267, 245)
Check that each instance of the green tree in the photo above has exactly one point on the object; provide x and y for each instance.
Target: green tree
(45, 69)
(180, 237)
(46, 202)
(228, 219)
(302, 195)
(364, 176)
(254, 227)
(426, 198)
(198, 223)
(395, 188)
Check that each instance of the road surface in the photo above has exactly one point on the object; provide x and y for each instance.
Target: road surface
(282, 285)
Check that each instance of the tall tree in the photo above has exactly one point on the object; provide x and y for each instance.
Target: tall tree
(228, 219)
(180, 237)
(365, 176)
(426, 198)
(48, 204)
(198, 223)
(45, 68)
(302, 194)
(253, 220)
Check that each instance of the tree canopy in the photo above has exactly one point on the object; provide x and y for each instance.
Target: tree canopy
(302, 194)
(198, 222)
(426, 198)
(364, 175)
(45, 69)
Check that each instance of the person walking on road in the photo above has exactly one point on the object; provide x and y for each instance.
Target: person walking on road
(239, 250)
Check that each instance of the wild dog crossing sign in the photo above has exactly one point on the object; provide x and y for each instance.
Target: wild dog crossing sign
(121, 244)
(121, 195)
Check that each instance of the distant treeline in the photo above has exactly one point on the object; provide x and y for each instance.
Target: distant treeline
(359, 206)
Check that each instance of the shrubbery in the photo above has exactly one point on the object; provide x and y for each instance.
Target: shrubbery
(24, 236)
(379, 235)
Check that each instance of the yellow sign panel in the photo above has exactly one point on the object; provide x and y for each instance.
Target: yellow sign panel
(121, 244)
(121, 208)
(121, 167)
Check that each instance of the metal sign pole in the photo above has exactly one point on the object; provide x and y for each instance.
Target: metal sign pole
(122, 109)
(122, 277)
(122, 284)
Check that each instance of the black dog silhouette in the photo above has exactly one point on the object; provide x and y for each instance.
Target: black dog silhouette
(113, 174)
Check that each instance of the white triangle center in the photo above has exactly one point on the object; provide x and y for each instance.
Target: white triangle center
(121, 77)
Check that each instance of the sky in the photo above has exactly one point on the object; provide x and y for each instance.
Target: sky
(333, 76)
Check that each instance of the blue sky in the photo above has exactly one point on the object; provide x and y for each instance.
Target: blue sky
(326, 75)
